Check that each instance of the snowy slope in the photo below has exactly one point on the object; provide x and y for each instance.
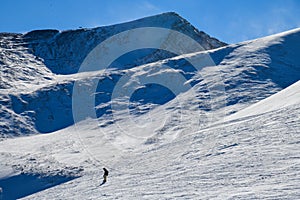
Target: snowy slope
(282, 99)
(247, 72)
(190, 129)
(32, 94)
(251, 159)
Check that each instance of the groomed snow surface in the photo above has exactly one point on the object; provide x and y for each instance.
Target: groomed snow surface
(234, 133)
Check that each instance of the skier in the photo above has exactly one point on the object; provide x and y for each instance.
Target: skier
(104, 176)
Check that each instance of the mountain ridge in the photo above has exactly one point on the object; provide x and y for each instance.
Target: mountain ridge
(65, 43)
(246, 67)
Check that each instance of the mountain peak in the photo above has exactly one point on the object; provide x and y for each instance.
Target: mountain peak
(51, 45)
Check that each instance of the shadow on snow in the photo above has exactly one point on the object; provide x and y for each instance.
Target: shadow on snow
(22, 185)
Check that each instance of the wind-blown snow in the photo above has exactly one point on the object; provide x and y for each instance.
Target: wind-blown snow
(229, 131)
(285, 98)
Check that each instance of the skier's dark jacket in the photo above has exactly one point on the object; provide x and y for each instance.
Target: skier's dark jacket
(105, 172)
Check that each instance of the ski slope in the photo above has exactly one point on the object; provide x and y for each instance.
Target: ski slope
(285, 98)
(230, 131)
(254, 158)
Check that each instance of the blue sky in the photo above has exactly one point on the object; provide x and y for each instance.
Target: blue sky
(228, 20)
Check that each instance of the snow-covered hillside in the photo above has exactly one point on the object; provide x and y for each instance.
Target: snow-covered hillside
(221, 123)
(31, 64)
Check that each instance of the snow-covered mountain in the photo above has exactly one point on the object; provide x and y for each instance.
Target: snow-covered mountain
(221, 123)
(36, 99)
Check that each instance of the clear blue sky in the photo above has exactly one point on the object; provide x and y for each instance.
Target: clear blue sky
(228, 20)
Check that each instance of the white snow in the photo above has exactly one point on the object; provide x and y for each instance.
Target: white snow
(231, 132)
(287, 97)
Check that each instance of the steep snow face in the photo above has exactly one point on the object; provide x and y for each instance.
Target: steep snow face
(29, 63)
(245, 73)
(256, 69)
(63, 52)
(282, 99)
(20, 72)
(20, 69)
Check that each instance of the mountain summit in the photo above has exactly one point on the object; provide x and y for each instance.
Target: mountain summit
(60, 50)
